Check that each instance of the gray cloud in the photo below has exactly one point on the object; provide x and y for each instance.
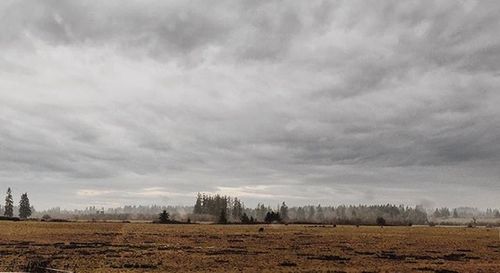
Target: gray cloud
(347, 101)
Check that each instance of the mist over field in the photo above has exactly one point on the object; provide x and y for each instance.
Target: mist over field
(113, 103)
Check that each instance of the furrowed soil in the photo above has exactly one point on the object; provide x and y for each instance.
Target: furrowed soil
(144, 247)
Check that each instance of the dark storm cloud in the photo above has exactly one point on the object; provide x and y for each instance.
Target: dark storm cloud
(349, 101)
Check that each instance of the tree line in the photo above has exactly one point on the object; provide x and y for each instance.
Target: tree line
(464, 212)
(24, 210)
(228, 209)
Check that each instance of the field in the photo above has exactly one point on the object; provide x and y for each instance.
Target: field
(143, 247)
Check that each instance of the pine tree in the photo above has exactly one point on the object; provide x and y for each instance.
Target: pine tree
(284, 211)
(24, 206)
(496, 213)
(245, 219)
(301, 214)
(311, 217)
(272, 216)
(164, 217)
(9, 204)
(444, 212)
(260, 211)
(198, 209)
(223, 217)
(320, 217)
(437, 213)
(237, 209)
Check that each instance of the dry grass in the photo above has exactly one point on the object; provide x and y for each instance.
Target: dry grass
(140, 247)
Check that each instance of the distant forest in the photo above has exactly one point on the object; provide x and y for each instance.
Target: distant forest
(227, 209)
(213, 207)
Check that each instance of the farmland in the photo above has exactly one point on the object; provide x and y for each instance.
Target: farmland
(145, 247)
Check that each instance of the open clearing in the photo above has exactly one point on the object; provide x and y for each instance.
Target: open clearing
(142, 247)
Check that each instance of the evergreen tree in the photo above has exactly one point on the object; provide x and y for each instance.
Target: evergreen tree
(223, 217)
(341, 212)
(284, 211)
(301, 214)
(311, 215)
(489, 212)
(437, 213)
(272, 216)
(320, 217)
(237, 209)
(9, 204)
(245, 219)
(198, 209)
(496, 213)
(260, 211)
(164, 217)
(444, 212)
(24, 206)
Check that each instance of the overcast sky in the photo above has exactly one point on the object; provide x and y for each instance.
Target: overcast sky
(109, 103)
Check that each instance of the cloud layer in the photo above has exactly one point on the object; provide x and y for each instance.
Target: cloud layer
(114, 103)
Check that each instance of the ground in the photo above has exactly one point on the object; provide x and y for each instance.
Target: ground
(144, 247)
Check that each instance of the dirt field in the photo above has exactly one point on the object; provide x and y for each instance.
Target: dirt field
(134, 247)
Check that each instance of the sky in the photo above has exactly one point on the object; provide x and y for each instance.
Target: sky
(109, 103)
